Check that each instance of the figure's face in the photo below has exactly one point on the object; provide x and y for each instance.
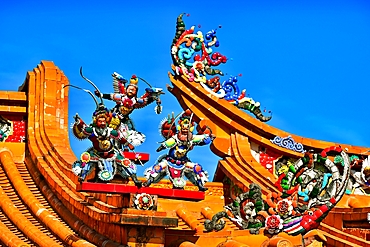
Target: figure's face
(101, 122)
(131, 91)
(184, 128)
(309, 240)
(367, 171)
(248, 210)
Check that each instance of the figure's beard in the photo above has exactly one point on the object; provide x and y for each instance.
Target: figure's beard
(101, 131)
(185, 137)
(130, 95)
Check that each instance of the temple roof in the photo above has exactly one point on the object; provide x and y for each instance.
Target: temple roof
(40, 205)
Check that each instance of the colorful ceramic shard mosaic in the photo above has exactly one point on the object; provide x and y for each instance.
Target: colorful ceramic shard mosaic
(194, 57)
(308, 189)
(143, 201)
(288, 143)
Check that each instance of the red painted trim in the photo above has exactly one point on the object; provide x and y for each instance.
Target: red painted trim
(127, 189)
(144, 157)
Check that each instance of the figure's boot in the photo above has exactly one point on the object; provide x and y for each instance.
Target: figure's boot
(82, 176)
(148, 182)
(192, 178)
(177, 188)
(201, 187)
(137, 182)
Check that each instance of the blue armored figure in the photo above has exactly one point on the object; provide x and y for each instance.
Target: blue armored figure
(176, 163)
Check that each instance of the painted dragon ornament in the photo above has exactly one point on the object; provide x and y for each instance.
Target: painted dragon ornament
(193, 57)
(307, 190)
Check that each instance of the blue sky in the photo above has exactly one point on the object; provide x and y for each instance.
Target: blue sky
(307, 62)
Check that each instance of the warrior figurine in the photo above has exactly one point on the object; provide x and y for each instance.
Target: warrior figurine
(359, 182)
(126, 101)
(176, 164)
(103, 152)
(6, 129)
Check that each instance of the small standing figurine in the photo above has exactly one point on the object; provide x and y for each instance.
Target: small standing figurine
(126, 102)
(103, 152)
(5, 129)
(180, 140)
(359, 182)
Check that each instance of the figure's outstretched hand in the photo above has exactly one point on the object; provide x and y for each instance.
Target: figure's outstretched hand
(97, 93)
(76, 117)
(209, 138)
(130, 146)
(160, 148)
(212, 136)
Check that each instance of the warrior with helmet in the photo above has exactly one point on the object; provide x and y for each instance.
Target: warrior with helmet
(176, 164)
(6, 129)
(103, 153)
(126, 101)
